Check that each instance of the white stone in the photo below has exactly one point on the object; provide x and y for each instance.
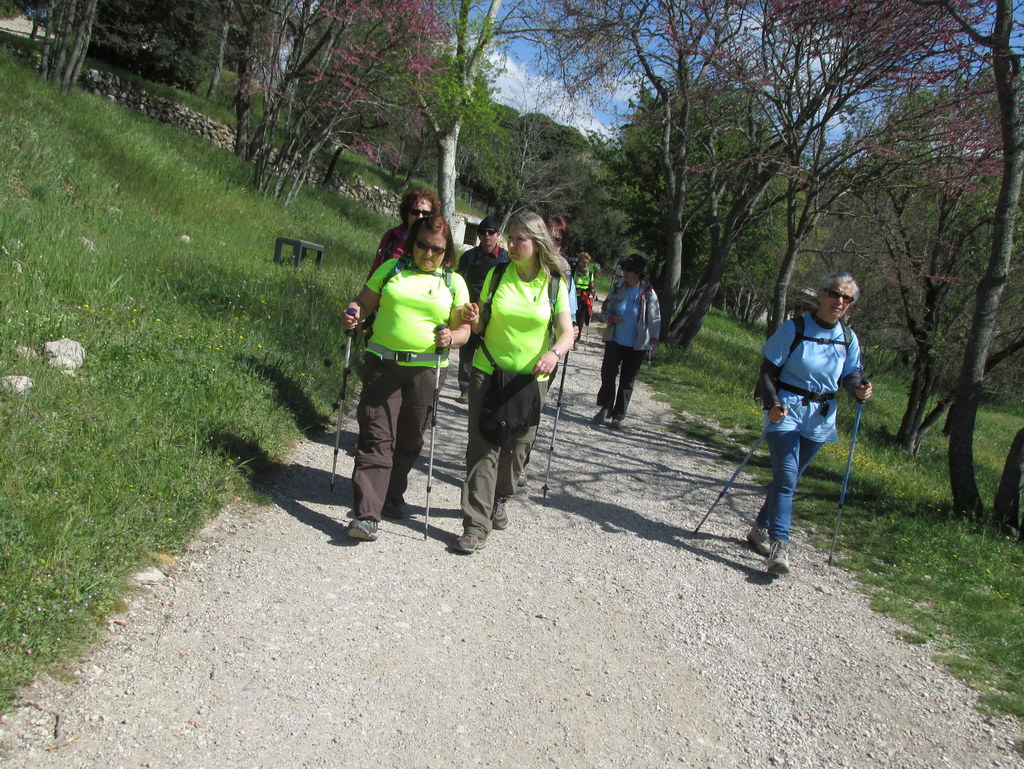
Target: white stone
(184, 239)
(19, 385)
(64, 353)
(150, 576)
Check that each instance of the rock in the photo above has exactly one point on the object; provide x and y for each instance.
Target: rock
(150, 576)
(184, 239)
(25, 352)
(19, 385)
(65, 353)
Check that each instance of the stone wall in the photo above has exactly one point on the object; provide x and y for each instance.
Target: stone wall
(113, 88)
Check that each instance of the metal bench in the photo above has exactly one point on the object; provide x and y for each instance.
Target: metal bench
(299, 249)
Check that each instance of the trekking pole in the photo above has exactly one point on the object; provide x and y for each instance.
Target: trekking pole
(554, 428)
(433, 431)
(846, 479)
(341, 397)
(739, 469)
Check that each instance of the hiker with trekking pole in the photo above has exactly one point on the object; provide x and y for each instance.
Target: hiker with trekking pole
(805, 363)
(526, 326)
(419, 305)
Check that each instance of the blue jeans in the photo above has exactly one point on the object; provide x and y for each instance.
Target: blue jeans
(791, 454)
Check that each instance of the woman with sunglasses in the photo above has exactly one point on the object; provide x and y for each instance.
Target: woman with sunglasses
(416, 204)
(634, 323)
(419, 304)
(526, 329)
(805, 363)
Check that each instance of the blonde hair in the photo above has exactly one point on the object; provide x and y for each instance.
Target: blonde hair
(532, 226)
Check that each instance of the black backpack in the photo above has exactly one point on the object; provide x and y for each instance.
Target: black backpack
(799, 337)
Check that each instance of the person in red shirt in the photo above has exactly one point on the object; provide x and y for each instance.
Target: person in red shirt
(416, 203)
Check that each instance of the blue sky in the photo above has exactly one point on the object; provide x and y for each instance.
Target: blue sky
(520, 88)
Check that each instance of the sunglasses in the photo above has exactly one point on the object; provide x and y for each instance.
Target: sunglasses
(488, 232)
(429, 248)
(846, 298)
(420, 212)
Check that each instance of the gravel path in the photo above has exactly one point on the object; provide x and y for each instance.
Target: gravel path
(595, 632)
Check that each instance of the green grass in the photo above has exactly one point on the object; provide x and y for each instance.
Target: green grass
(204, 360)
(957, 586)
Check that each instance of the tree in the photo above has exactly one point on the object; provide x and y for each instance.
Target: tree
(326, 68)
(748, 90)
(457, 85)
(988, 39)
(66, 42)
(168, 43)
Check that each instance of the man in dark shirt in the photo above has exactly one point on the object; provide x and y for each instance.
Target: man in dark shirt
(474, 266)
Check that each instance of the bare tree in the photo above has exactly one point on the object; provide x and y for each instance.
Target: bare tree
(990, 31)
(66, 41)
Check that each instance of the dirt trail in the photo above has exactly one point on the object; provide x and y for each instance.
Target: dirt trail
(596, 631)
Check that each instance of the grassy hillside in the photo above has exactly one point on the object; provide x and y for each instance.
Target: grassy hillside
(145, 245)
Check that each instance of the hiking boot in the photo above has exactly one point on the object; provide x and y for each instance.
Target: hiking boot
(363, 528)
(463, 397)
(393, 510)
(778, 557)
(617, 422)
(470, 543)
(758, 539)
(523, 480)
(499, 518)
(600, 416)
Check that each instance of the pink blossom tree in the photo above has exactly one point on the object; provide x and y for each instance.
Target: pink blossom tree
(327, 68)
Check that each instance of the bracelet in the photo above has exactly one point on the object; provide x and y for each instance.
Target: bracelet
(451, 339)
(556, 352)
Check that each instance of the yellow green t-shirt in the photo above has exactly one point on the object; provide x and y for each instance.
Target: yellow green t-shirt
(585, 277)
(517, 332)
(412, 304)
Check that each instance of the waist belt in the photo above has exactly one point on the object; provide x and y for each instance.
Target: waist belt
(808, 395)
(404, 357)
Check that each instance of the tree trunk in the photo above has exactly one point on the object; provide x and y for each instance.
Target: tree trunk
(1006, 510)
(922, 386)
(962, 418)
(447, 146)
(218, 67)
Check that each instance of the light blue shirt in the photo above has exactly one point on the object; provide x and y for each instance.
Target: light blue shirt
(814, 367)
(628, 308)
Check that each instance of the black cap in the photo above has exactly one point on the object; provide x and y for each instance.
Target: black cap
(489, 223)
(634, 262)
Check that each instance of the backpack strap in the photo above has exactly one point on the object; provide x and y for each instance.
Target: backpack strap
(497, 273)
(403, 264)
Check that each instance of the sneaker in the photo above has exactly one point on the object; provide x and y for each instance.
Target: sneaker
(393, 510)
(499, 518)
(600, 416)
(463, 397)
(523, 481)
(778, 557)
(363, 528)
(470, 543)
(758, 539)
(617, 422)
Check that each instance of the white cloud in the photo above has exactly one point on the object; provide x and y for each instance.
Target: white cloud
(525, 92)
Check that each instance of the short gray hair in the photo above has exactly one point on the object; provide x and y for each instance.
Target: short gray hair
(839, 277)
